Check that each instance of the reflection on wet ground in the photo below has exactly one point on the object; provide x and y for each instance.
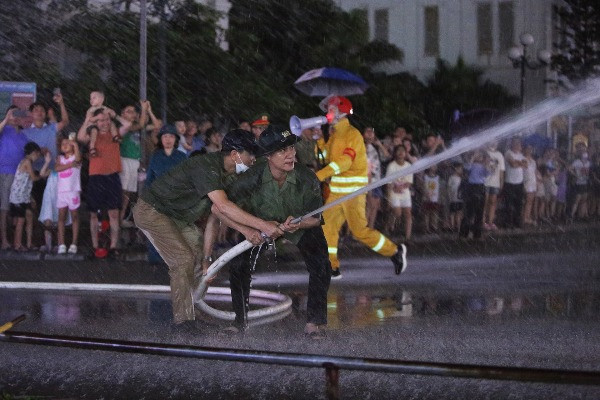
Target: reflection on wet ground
(362, 308)
(347, 308)
(537, 310)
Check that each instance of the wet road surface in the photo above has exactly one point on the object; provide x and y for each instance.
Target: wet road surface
(532, 304)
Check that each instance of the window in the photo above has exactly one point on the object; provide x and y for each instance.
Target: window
(506, 25)
(484, 29)
(382, 25)
(432, 31)
(362, 15)
(558, 35)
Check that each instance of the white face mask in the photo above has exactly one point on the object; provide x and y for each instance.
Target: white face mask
(241, 167)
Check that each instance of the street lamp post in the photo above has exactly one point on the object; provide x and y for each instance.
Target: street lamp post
(520, 59)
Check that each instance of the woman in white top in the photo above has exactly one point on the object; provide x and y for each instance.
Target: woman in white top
(513, 183)
(399, 193)
(530, 183)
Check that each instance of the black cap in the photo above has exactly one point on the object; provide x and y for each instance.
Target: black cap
(169, 128)
(274, 138)
(240, 140)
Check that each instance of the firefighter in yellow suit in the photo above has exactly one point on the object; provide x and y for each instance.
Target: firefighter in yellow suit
(347, 168)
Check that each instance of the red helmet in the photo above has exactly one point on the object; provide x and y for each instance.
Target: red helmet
(342, 103)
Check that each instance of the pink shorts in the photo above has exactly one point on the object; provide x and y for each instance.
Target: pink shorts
(68, 199)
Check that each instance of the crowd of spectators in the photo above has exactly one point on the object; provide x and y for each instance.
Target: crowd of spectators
(46, 174)
(510, 185)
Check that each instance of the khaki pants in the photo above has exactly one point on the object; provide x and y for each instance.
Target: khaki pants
(180, 246)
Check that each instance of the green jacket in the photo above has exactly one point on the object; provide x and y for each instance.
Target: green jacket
(258, 193)
(182, 192)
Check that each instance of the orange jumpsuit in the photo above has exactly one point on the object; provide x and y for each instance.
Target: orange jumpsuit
(347, 168)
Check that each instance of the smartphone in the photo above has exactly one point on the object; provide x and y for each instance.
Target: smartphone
(19, 113)
(56, 91)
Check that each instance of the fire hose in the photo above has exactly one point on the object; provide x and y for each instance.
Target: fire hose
(537, 115)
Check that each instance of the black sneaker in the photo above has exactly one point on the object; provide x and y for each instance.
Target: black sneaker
(399, 260)
(336, 274)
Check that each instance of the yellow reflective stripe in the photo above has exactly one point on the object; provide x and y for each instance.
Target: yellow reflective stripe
(350, 179)
(347, 189)
(379, 244)
(332, 250)
(335, 168)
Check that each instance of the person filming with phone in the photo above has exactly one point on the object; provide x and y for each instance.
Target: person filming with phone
(12, 145)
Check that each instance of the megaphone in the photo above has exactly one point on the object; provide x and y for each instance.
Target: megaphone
(297, 125)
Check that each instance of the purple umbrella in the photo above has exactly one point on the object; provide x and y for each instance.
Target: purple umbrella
(327, 81)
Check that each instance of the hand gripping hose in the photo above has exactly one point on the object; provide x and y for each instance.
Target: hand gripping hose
(589, 94)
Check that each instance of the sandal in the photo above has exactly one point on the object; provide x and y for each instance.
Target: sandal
(21, 249)
(117, 138)
(316, 335)
(93, 152)
(232, 330)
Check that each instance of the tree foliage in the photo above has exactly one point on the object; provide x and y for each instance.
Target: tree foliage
(271, 43)
(579, 44)
(461, 87)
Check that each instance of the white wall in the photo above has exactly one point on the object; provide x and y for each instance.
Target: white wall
(458, 36)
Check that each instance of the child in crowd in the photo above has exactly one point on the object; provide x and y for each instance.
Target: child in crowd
(455, 196)
(561, 192)
(431, 205)
(20, 193)
(213, 140)
(550, 190)
(594, 179)
(531, 182)
(399, 193)
(69, 188)
(97, 106)
(184, 147)
(580, 168)
(541, 206)
(478, 168)
(493, 184)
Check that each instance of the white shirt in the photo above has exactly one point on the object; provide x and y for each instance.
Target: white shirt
(582, 169)
(432, 188)
(394, 167)
(529, 176)
(374, 163)
(453, 185)
(513, 175)
(69, 180)
(497, 169)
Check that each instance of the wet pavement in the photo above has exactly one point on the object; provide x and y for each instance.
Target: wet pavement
(520, 301)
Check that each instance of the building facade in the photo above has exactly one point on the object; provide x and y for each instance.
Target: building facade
(479, 31)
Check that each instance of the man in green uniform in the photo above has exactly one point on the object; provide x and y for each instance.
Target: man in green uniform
(279, 190)
(167, 210)
(309, 150)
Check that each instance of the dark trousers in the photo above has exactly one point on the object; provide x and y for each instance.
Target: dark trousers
(313, 248)
(474, 203)
(513, 199)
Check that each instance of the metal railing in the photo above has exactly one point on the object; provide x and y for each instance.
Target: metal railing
(331, 364)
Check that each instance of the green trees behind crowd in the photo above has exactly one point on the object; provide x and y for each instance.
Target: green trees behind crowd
(271, 43)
